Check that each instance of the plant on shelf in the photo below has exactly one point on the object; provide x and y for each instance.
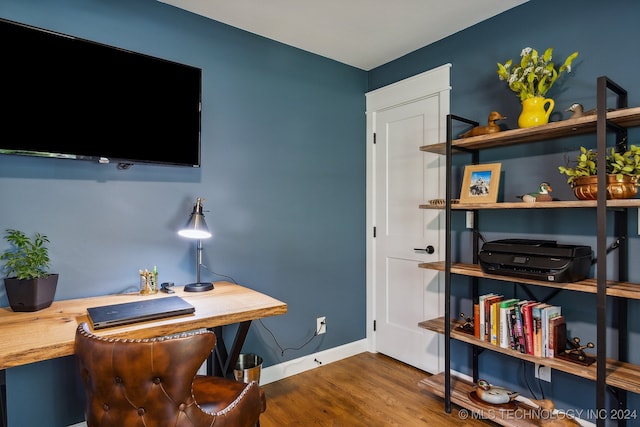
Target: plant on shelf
(531, 79)
(622, 168)
(29, 285)
(535, 74)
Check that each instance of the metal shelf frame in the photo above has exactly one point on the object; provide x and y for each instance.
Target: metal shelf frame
(603, 129)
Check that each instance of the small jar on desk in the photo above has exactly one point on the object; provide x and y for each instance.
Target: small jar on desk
(148, 281)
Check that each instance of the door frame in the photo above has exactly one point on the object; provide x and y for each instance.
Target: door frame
(405, 91)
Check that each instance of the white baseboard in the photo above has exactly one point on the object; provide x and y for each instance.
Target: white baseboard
(311, 361)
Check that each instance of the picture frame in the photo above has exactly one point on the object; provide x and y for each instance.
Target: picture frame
(480, 183)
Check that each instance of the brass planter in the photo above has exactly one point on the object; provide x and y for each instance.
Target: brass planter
(586, 187)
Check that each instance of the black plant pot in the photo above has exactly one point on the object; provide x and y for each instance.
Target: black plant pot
(31, 294)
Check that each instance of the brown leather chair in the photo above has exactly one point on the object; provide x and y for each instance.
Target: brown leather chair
(152, 382)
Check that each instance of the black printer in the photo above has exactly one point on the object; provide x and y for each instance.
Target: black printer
(536, 259)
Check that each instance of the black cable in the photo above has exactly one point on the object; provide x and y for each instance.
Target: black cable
(611, 247)
(540, 382)
(282, 350)
(524, 375)
(218, 274)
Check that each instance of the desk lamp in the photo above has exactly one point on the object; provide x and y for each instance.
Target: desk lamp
(196, 228)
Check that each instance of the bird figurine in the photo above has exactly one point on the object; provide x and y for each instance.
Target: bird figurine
(578, 111)
(542, 195)
(494, 394)
(491, 127)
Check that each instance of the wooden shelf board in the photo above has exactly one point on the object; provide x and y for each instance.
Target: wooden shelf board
(460, 390)
(617, 203)
(622, 375)
(625, 117)
(614, 289)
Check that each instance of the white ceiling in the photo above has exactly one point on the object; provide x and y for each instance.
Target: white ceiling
(360, 33)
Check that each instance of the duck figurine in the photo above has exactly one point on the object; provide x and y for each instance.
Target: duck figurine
(491, 127)
(578, 111)
(494, 394)
(542, 195)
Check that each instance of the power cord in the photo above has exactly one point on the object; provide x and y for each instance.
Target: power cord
(540, 382)
(615, 245)
(218, 274)
(282, 350)
(524, 375)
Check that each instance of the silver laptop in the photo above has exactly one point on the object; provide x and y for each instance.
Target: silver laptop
(138, 311)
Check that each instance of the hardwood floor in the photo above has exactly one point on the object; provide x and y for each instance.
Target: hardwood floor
(368, 390)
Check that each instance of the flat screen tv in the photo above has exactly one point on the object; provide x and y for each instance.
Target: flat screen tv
(66, 97)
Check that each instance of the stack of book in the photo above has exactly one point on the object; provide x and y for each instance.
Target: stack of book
(530, 327)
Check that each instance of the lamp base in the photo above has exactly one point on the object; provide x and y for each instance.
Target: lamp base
(198, 287)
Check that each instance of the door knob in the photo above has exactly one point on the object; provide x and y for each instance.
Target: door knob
(429, 249)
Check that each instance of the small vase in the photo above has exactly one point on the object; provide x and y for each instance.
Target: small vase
(534, 112)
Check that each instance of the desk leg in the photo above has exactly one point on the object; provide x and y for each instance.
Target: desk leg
(221, 363)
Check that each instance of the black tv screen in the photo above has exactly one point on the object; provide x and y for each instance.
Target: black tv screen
(66, 97)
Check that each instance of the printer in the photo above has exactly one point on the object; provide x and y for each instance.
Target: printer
(536, 259)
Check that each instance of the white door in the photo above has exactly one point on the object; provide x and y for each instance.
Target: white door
(403, 177)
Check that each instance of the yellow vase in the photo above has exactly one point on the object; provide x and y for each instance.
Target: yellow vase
(535, 112)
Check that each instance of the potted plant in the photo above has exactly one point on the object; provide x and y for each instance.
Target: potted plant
(623, 171)
(29, 285)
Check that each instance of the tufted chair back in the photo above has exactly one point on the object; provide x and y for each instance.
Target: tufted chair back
(152, 383)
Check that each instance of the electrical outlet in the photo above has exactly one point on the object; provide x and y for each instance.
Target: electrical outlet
(543, 372)
(469, 219)
(321, 325)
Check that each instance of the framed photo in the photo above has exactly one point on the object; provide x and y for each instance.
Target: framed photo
(480, 183)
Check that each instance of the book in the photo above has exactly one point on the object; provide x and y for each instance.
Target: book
(504, 321)
(546, 314)
(513, 333)
(518, 332)
(476, 320)
(487, 315)
(481, 315)
(557, 336)
(536, 313)
(528, 327)
(495, 322)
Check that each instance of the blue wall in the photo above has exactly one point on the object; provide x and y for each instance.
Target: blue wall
(283, 175)
(606, 35)
(283, 148)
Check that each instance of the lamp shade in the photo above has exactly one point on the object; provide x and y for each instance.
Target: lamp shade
(196, 227)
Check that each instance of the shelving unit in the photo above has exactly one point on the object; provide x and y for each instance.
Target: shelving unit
(618, 375)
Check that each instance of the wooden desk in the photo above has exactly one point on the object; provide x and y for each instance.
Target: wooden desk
(50, 333)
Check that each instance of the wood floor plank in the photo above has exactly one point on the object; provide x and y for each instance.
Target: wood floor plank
(365, 390)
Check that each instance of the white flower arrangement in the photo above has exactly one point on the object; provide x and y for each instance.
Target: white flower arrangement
(535, 74)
